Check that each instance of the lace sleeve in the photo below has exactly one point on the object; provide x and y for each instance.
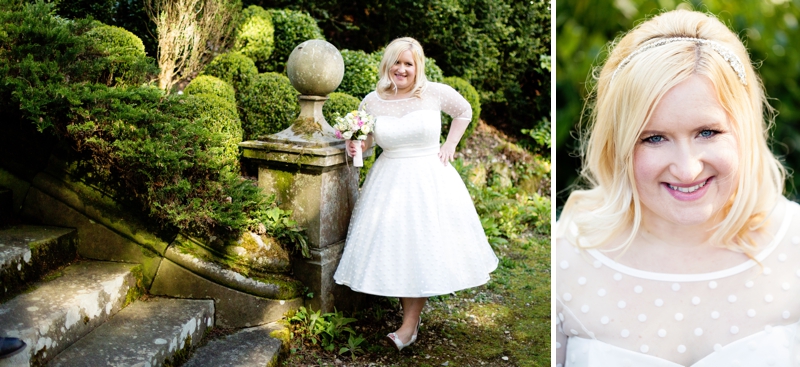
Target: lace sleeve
(451, 102)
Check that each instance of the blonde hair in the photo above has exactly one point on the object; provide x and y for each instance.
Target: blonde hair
(623, 106)
(391, 54)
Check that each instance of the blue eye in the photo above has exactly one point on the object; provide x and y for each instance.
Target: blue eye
(653, 139)
(708, 133)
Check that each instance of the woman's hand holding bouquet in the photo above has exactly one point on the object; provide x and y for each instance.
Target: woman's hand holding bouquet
(355, 126)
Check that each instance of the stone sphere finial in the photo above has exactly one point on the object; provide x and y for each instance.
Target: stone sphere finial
(315, 68)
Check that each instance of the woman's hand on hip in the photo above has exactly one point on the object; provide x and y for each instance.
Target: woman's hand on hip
(447, 153)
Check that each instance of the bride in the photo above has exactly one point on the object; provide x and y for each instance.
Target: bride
(414, 232)
(682, 251)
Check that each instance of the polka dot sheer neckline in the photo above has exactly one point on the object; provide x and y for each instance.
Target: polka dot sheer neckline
(763, 254)
(616, 315)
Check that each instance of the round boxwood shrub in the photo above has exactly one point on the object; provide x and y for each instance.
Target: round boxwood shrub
(268, 105)
(360, 73)
(291, 29)
(211, 85)
(339, 104)
(254, 36)
(220, 117)
(474, 99)
(125, 61)
(432, 71)
(234, 68)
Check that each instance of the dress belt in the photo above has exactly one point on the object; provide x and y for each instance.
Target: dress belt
(410, 152)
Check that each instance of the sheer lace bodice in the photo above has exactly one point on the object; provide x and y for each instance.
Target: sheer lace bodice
(612, 315)
(415, 122)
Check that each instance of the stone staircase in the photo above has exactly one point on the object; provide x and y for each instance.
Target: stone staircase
(78, 312)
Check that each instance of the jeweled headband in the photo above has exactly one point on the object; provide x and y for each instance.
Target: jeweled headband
(725, 52)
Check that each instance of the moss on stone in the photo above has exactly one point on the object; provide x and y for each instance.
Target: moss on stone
(285, 337)
(181, 355)
(283, 182)
(288, 288)
(306, 126)
(138, 289)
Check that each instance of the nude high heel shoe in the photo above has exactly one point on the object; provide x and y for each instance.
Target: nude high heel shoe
(395, 340)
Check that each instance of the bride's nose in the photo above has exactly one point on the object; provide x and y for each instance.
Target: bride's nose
(687, 162)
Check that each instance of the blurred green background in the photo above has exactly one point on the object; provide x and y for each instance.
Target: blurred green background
(769, 29)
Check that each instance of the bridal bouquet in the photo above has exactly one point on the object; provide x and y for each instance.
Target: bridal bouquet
(355, 126)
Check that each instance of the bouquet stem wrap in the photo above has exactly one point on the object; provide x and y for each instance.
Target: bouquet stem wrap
(358, 160)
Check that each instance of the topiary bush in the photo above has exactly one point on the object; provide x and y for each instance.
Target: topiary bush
(116, 40)
(291, 29)
(268, 105)
(207, 84)
(360, 73)
(234, 68)
(471, 95)
(125, 61)
(432, 71)
(254, 36)
(218, 115)
(339, 104)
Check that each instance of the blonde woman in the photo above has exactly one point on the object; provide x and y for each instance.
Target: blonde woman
(682, 251)
(414, 232)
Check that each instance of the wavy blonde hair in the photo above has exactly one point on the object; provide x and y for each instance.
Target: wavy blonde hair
(622, 107)
(391, 54)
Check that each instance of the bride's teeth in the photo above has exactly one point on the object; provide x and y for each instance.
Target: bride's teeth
(688, 189)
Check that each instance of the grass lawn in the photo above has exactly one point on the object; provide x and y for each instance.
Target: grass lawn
(503, 323)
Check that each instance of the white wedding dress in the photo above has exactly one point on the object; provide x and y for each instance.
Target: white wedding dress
(414, 231)
(609, 314)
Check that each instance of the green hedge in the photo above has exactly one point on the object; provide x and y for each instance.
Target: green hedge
(339, 104)
(502, 47)
(471, 95)
(211, 85)
(218, 115)
(254, 36)
(125, 61)
(432, 71)
(291, 29)
(234, 68)
(170, 156)
(268, 105)
(102, 10)
(360, 73)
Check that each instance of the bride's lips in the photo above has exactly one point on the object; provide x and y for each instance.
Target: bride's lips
(688, 192)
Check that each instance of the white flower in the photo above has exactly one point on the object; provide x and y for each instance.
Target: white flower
(347, 134)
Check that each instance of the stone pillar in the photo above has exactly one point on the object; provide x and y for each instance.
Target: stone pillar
(304, 167)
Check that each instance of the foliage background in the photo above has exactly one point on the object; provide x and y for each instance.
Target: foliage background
(768, 29)
(502, 47)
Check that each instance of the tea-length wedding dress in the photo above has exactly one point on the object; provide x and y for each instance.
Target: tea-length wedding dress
(414, 231)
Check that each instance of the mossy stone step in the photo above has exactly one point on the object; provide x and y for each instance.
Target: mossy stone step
(27, 252)
(149, 333)
(251, 347)
(56, 312)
